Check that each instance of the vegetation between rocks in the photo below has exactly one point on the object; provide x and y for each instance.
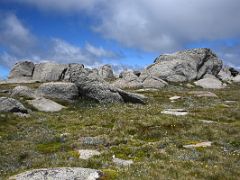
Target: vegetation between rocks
(154, 141)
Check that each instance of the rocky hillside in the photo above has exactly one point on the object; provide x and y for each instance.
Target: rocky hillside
(177, 119)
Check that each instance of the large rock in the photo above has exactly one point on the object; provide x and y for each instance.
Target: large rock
(59, 90)
(210, 83)
(225, 74)
(45, 105)
(22, 71)
(150, 81)
(64, 173)
(23, 91)
(11, 105)
(49, 72)
(106, 72)
(186, 66)
(73, 70)
(128, 80)
(93, 87)
(236, 79)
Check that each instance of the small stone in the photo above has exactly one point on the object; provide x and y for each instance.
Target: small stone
(147, 90)
(175, 112)
(207, 121)
(202, 144)
(174, 98)
(121, 162)
(87, 154)
(92, 140)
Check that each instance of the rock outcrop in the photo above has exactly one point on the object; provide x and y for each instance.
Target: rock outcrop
(49, 72)
(58, 90)
(64, 173)
(106, 72)
(129, 80)
(73, 70)
(11, 105)
(22, 71)
(185, 66)
(93, 87)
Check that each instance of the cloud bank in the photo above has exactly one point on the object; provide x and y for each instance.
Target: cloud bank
(20, 44)
(155, 25)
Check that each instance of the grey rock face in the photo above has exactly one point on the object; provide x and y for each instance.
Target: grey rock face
(226, 74)
(236, 79)
(22, 71)
(186, 66)
(137, 73)
(131, 81)
(210, 83)
(93, 87)
(73, 70)
(45, 105)
(59, 90)
(128, 80)
(49, 72)
(150, 81)
(106, 72)
(65, 173)
(11, 105)
(23, 91)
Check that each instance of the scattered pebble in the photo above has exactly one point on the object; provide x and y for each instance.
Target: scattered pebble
(87, 153)
(202, 144)
(175, 112)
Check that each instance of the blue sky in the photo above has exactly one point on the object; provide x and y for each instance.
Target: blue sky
(126, 34)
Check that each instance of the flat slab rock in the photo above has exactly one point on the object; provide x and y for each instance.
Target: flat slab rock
(175, 112)
(87, 153)
(210, 83)
(202, 94)
(65, 173)
(202, 144)
(45, 105)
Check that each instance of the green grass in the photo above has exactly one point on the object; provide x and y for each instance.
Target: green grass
(139, 132)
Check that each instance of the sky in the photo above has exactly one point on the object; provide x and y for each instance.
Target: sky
(126, 34)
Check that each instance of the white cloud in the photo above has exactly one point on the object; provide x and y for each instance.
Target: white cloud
(14, 35)
(155, 25)
(65, 52)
